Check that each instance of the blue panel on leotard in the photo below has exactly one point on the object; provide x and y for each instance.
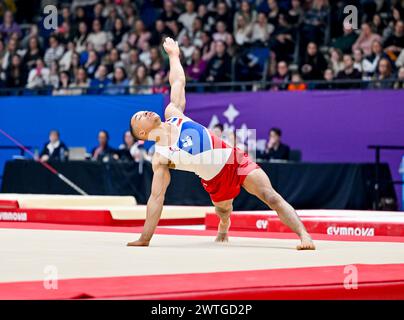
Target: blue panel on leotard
(194, 138)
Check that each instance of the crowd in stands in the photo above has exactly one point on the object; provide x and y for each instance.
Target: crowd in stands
(114, 46)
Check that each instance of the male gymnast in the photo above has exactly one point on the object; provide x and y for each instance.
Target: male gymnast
(183, 144)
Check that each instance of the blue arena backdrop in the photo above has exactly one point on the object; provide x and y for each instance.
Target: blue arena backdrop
(78, 118)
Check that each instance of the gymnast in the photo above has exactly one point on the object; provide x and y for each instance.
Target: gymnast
(183, 144)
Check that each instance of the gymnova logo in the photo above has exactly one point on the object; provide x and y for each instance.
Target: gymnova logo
(351, 231)
(13, 216)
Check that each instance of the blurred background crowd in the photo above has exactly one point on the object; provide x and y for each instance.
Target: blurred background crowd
(113, 46)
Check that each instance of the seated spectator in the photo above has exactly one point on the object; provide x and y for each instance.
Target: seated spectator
(315, 21)
(54, 52)
(54, 74)
(371, 61)
(66, 60)
(365, 39)
(400, 79)
(98, 38)
(358, 60)
(395, 42)
(63, 89)
(32, 54)
(101, 79)
(336, 62)
(81, 38)
(118, 31)
(297, 83)
(119, 83)
(38, 77)
(8, 26)
(261, 30)
(295, 13)
(349, 73)
(275, 149)
(91, 65)
(313, 64)
(281, 41)
(246, 11)
(197, 67)
(187, 18)
(16, 75)
(54, 149)
(132, 149)
(187, 49)
(347, 40)
(221, 33)
(282, 76)
(158, 84)
(242, 32)
(328, 78)
(103, 152)
(81, 83)
(141, 82)
(378, 24)
(384, 75)
(219, 67)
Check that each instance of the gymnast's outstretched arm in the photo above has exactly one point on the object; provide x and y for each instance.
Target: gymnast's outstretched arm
(177, 80)
(161, 180)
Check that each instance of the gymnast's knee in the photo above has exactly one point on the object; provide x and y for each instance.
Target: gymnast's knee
(272, 199)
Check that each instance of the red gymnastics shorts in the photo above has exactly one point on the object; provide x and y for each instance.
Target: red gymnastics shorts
(227, 183)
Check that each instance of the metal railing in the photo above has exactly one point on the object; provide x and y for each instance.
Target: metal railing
(232, 86)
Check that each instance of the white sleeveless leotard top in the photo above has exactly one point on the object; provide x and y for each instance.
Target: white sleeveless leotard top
(196, 149)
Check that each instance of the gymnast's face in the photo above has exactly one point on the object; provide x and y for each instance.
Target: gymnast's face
(143, 122)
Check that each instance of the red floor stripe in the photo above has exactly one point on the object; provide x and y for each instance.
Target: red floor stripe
(184, 232)
(374, 282)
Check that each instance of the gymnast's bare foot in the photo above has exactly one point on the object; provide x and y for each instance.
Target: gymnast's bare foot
(138, 243)
(222, 237)
(306, 243)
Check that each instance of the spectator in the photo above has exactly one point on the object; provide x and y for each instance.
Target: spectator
(33, 53)
(103, 152)
(313, 65)
(100, 79)
(242, 32)
(336, 62)
(400, 79)
(81, 38)
(132, 149)
(384, 76)
(358, 60)
(297, 83)
(187, 49)
(347, 40)
(349, 73)
(282, 76)
(221, 33)
(314, 22)
(261, 30)
(295, 13)
(54, 74)
(223, 14)
(281, 41)
(158, 84)
(197, 67)
(365, 39)
(328, 78)
(218, 68)
(54, 149)
(395, 42)
(275, 149)
(16, 76)
(187, 18)
(118, 31)
(133, 61)
(81, 83)
(97, 37)
(247, 12)
(38, 77)
(8, 27)
(54, 52)
(65, 61)
(169, 15)
(63, 89)
(119, 83)
(92, 63)
(141, 82)
(371, 62)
